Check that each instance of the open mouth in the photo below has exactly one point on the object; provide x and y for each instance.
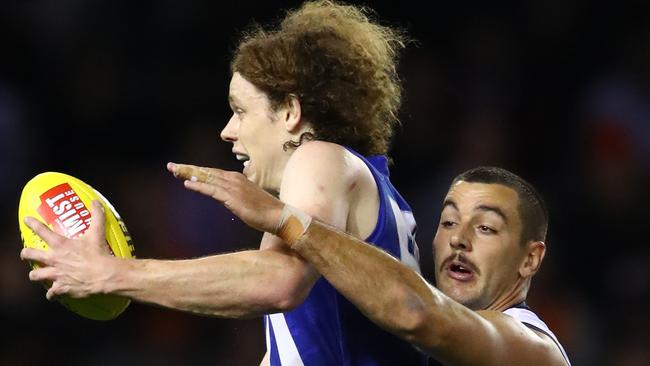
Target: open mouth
(244, 158)
(460, 271)
(459, 268)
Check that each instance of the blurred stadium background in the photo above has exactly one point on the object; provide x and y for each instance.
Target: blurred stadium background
(556, 90)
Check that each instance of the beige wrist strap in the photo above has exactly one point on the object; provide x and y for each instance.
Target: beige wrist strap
(293, 224)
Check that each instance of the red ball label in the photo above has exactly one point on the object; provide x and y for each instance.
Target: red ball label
(62, 208)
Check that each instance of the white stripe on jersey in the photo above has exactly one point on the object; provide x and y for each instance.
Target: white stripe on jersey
(287, 350)
(267, 324)
(405, 223)
(528, 317)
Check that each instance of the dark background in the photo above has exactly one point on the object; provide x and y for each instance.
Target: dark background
(557, 91)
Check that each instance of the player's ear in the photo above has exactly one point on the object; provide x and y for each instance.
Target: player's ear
(292, 113)
(535, 251)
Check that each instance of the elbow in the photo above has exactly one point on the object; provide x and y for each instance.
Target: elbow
(415, 321)
(288, 303)
(289, 298)
(290, 290)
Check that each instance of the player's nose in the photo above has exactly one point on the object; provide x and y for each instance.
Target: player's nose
(459, 241)
(229, 132)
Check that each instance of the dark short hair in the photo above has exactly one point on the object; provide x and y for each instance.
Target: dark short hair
(532, 209)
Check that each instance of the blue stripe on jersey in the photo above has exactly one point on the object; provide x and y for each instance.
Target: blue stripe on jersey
(327, 329)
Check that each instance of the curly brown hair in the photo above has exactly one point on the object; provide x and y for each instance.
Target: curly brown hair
(339, 63)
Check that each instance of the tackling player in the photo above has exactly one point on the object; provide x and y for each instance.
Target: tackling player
(489, 245)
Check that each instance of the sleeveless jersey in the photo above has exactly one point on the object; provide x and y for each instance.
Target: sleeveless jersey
(326, 329)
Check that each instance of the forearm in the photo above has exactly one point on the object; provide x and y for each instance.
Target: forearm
(241, 284)
(386, 291)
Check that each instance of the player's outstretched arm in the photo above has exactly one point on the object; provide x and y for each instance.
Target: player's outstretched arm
(389, 293)
(402, 302)
(241, 284)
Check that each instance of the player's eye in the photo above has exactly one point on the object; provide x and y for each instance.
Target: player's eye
(236, 110)
(486, 229)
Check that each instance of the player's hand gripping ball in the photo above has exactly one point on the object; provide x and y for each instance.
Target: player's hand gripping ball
(62, 202)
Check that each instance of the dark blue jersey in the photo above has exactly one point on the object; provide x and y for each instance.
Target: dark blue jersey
(327, 329)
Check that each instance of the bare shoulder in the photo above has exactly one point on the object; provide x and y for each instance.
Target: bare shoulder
(324, 179)
(321, 151)
(523, 343)
(315, 181)
(322, 160)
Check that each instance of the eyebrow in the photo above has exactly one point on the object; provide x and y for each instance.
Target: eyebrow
(494, 209)
(485, 208)
(232, 99)
(449, 202)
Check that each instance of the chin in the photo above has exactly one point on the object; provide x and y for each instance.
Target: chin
(251, 177)
(462, 296)
(465, 300)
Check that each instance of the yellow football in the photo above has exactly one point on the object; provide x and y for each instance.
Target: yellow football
(63, 202)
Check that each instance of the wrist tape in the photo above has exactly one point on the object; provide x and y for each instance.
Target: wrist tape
(293, 224)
